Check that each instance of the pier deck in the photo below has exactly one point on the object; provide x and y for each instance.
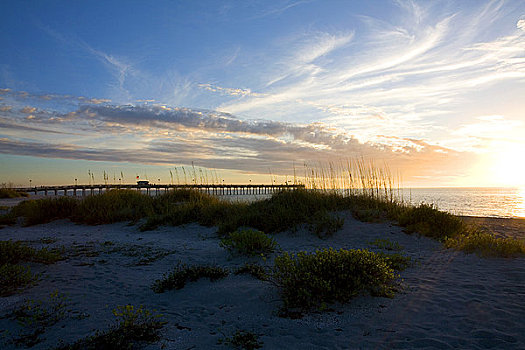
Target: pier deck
(225, 189)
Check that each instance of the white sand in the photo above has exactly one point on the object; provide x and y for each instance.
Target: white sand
(451, 300)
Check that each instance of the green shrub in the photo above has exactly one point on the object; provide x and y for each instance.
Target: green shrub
(13, 252)
(35, 316)
(430, 222)
(10, 193)
(183, 273)
(113, 206)
(396, 261)
(254, 270)
(133, 325)
(242, 339)
(45, 210)
(249, 242)
(310, 280)
(14, 278)
(386, 244)
(324, 225)
(369, 214)
(486, 245)
(7, 219)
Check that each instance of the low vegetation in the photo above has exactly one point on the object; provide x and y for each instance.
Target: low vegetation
(396, 261)
(35, 316)
(14, 278)
(249, 242)
(13, 275)
(242, 339)
(325, 225)
(254, 270)
(386, 244)
(133, 326)
(357, 186)
(425, 219)
(486, 245)
(14, 252)
(6, 192)
(44, 210)
(313, 280)
(182, 273)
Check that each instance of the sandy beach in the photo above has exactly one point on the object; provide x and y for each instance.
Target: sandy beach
(449, 299)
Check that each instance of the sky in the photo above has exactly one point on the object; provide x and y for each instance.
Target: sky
(251, 90)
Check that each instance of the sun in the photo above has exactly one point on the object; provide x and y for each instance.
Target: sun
(508, 167)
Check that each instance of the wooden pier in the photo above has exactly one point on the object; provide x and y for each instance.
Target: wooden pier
(83, 190)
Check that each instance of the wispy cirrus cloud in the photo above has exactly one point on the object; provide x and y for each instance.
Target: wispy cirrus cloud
(401, 77)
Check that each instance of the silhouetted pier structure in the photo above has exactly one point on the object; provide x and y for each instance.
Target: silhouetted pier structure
(83, 190)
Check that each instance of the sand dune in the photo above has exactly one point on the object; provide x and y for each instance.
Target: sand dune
(450, 300)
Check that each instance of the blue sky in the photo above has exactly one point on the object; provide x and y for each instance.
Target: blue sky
(434, 89)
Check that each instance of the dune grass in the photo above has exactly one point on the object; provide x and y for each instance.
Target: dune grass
(15, 277)
(249, 242)
(254, 270)
(14, 274)
(242, 339)
(14, 252)
(6, 192)
(36, 316)
(44, 210)
(182, 273)
(486, 245)
(313, 280)
(134, 327)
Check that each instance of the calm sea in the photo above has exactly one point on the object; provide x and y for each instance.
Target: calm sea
(494, 202)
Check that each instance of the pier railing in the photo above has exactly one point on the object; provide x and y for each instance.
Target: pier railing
(224, 189)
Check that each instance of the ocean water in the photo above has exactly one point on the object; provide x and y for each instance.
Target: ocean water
(492, 202)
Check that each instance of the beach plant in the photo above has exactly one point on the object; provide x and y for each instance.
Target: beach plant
(325, 225)
(134, 326)
(45, 210)
(386, 244)
(313, 280)
(144, 255)
(13, 252)
(14, 278)
(428, 221)
(486, 245)
(369, 214)
(7, 219)
(396, 261)
(182, 273)
(242, 339)
(35, 316)
(113, 206)
(255, 270)
(6, 192)
(249, 242)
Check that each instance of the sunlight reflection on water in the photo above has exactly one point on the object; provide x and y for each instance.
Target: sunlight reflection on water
(495, 202)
